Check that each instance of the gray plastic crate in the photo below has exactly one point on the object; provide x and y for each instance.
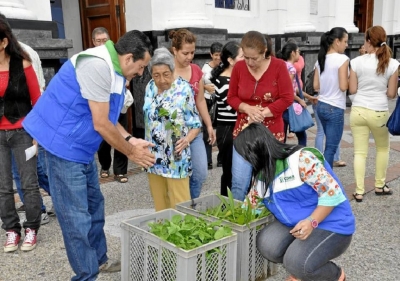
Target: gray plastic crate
(145, 257)
(253, 268)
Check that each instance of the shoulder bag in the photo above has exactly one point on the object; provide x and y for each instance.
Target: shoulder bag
(299, 118)
(393, 123)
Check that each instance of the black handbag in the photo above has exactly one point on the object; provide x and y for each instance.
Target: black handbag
(212, 109)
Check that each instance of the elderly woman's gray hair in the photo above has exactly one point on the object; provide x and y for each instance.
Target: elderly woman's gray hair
(162, 56)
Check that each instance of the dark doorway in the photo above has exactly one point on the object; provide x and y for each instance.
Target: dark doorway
(363, 14)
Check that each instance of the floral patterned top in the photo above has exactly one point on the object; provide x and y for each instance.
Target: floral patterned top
(178, 98)
(313, 173)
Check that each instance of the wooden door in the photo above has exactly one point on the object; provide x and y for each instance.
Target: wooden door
(106, 13)
(363, 14)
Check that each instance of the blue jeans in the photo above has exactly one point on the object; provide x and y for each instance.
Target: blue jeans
(308, 259)
(207, 145)
(199, 165)
(332, 120)
(41, 173)
(79, 206)
(319, 137)
(241, 176)
(16, 141)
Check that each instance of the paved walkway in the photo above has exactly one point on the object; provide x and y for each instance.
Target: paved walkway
(373, 255)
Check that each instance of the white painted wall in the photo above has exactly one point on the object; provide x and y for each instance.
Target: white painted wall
(72, 25)
(139, 14)
(41, 8)
(378, 10)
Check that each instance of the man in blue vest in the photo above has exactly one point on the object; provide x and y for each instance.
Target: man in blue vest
(79, 109)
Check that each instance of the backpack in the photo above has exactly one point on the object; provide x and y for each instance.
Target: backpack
(309, 86)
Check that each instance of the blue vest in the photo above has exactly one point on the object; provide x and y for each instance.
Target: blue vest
(291, 200)
(61, 120)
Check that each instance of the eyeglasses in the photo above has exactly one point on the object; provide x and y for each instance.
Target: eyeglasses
(101, 40)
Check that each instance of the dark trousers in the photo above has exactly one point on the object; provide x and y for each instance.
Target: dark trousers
(120, 164)
(225, 147)
(15, 142)
(207, 145)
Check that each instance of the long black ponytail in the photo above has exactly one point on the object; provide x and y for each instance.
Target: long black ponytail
(327, 40)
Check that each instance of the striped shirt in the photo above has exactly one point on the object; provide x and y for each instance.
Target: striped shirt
(226, 115)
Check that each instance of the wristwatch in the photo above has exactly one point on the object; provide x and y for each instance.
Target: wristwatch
(314, 223)
(128, 137)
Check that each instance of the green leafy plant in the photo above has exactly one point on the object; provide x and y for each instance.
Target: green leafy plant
(171, 121)
(242, 213)
(189, 232)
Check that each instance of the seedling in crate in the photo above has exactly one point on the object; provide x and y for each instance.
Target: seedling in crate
(189, 232)
(238, 212)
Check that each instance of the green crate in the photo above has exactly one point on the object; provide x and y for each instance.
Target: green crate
(251, 265)
(146, 257)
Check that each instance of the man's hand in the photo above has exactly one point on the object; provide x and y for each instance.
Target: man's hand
(140, 153)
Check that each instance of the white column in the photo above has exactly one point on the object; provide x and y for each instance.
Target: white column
(275, 19)
(189, 14)
(344, 15)
(15, 9)
(396, 15)
(298, 17)
(326, 15)
(40, 8)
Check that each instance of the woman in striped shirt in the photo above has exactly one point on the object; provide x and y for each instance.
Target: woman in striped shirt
(226, 115)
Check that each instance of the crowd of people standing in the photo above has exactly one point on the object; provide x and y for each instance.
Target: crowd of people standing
(252, 89)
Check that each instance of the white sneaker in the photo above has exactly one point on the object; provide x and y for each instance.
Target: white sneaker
(29, 241)
(45, 219)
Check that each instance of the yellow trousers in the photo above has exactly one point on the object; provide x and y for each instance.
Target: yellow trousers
(167, 192)
(364, 121)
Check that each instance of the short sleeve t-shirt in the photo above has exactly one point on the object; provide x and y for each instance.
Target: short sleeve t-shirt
(330, 92)
(93, 75)
(372, 88)
(292, 71)
(206, 76)
(195, 79)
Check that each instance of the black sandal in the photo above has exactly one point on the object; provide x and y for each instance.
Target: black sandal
(121, 178)
(104, 173)
(358, 199)
(388, 191)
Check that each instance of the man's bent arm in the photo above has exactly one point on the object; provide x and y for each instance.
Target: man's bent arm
(113, 135)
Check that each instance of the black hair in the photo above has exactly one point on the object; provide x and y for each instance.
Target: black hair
(261, 149)
(216, 47)
(13, 48)
(136, 43)
(327, 40)
(229, 50)
(286, 51)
